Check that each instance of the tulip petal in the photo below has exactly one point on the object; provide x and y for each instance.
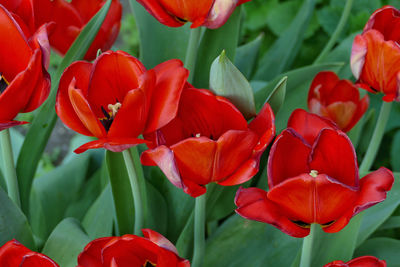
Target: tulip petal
(84, 111)
(15, 52)
(289, 149)
(312, 200)
(308, 125)
(322, 86)
(131, 117)
(12, 253)
(114, 74)
(91, 254)
(361, 109)
(342, 113)
(253, 204)
(159, 240)
(233, 149)
(164, 158)
(334, 155)
(188, 10)
(80, 71)
(358, 53)
(263, 123)
(171, 78)
(6, 125)
(158, 11)
(219, 13)
(37, 260)
(387, 21)
(244, 173)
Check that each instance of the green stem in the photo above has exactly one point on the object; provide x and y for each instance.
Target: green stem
(191, 52)
(9, 168)
(338, 31)
(137, 197)
(199, 231)
(306, 252)
(376, 138)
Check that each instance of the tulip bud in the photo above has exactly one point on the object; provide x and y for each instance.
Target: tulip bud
(226, 80)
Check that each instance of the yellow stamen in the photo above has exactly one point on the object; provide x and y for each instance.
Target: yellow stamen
(314, 173)
(114, 108)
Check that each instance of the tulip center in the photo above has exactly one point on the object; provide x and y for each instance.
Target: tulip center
(199, 135)
(148, 264)
(3, 84)
(110, 115)
(314, 173)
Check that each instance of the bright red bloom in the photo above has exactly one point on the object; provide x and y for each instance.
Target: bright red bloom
(175, 13)
(14, 254)
(364, 261)
(376, 53)
(24, 81)
(338, 100)
(312, 178)
(209, 141)
(71, 18)
(115, 99)
(133, 251)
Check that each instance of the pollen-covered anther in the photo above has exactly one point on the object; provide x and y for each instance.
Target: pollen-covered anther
(314, 173)
(114, 108)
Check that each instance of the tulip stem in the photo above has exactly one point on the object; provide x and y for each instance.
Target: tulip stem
(308, 242)
(9, 168)
(137, 197)
(199, 231)
(191, 52)
(376, 138)
(337, 32)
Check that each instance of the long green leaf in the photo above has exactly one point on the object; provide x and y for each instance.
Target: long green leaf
(383, 248)
(66, 242)
(13, 223)
(43, 124)
(212, 44)
(282, 53)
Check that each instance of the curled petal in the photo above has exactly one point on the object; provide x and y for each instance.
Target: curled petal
(219, 13)
(358, 53)
(157, 10)
(159, 239)
(253, 204)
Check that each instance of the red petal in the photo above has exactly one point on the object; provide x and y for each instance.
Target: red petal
(85, 112)
(364, 261)
(119, 144)
(312, 200)
(361, 109)
(322, 86)
(6, 125)
(386, 20)
(159, 240)
(308, 125)
(344, 91)
(114, 75)
(358, 53)
(158, 11)
(253, 204)
(80, 71)
(342, 113)
(288, 157)
(171, 78)
(264, 123)
(37, 260)
(234, 148)
(220, 11)
(334, 155)
(195, 159)
(91, 254)
(91, 145)
(189, 10)
(163, 157)
(131, 118)
(15, 52)
(381, 64)
(12, 253)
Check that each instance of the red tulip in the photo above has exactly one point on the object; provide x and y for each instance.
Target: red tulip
(209, 141)
(115, 99)
(175, 13)
(364, 261)
(312, 178)
(130, 250)
(338, 100)
(14, 254)
(24, 81)
(376, 53)
(71, 18)
(22, 11)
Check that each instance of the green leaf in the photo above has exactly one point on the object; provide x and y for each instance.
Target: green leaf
(247, 55)
(226, 80)
(394, 152)
(184, 244)
(282, 53)
(277, 96)
(43, 124)
(250, 243)
(49, 197)
(383, 248)
(212, 44)
(66, 242)
(99, 219)
(391, 223)
(158, 43)
(13, 223)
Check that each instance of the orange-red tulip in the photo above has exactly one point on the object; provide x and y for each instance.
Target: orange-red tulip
(364, 261)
